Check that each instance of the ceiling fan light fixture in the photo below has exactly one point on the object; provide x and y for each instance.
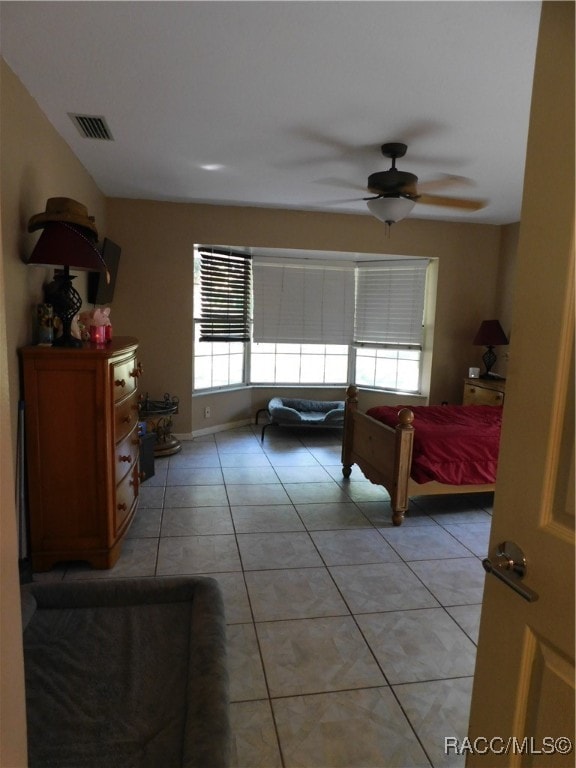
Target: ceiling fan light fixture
(390, 209)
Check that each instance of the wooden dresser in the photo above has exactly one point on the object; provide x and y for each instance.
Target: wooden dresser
(82, 447)
(484, 391)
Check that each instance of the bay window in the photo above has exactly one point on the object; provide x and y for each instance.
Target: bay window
(260, 319)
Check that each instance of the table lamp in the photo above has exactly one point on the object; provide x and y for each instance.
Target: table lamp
(68, 239)
(489, 335)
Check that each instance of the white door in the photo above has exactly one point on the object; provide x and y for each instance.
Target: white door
(523, 699)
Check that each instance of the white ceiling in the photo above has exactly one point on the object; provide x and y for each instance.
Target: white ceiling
(285, 104)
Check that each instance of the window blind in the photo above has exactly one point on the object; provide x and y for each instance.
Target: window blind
(225, 290)
(390, 302)
(303, 301)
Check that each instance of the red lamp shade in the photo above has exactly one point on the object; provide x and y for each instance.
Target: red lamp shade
(62, 244)
(71, 246)
(490, 334)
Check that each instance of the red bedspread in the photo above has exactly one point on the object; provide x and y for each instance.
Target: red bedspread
(453, 444)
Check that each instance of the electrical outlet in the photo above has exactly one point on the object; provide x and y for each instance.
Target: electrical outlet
(207, 412)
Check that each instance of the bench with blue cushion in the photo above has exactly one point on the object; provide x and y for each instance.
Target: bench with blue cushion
(298, 412)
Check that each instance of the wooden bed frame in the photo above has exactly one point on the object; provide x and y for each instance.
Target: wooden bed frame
(384, 454)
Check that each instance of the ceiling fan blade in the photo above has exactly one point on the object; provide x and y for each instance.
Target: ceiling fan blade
(452, 202)
(446, 180)
(346, 200)
(332, 149)
(332, 181)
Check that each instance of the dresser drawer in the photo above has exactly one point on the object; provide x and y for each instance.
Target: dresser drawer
(126, 495)
(126, 454)
(125, 417)
(125, 378)
(475, 394)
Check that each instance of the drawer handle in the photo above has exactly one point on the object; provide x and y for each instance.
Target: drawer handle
(122, 507)
(138, 371)
(120, 383)
(125, 458)
(127, 419)
(472, 390)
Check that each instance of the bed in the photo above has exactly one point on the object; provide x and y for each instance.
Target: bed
(422, 450)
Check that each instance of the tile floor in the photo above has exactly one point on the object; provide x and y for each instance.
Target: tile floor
(351, 642)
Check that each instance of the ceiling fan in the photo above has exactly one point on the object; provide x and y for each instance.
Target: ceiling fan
(396, 192)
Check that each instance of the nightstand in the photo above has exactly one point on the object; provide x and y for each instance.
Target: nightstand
(484, 391)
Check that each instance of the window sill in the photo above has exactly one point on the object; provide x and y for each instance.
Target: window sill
(284, 387)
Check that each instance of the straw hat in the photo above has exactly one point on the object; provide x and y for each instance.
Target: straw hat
(63, 209)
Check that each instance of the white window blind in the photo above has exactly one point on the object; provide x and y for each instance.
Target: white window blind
(390, 302)
(303, 301)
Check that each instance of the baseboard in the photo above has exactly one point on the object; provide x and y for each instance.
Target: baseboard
(212, 430)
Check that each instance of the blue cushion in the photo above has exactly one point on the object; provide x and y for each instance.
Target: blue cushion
(285, 410)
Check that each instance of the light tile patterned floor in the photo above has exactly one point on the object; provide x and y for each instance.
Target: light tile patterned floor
(351, 642)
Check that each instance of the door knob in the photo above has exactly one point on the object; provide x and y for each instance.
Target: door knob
(508, 563)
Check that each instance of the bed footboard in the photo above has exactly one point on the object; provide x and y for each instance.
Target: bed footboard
(383, 454)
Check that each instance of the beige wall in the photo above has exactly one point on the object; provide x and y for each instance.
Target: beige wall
(153, 300)
(35, 163)
(505, 289)
(12, 705)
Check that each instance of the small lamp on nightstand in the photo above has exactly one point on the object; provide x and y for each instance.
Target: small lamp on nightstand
(490, 335)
